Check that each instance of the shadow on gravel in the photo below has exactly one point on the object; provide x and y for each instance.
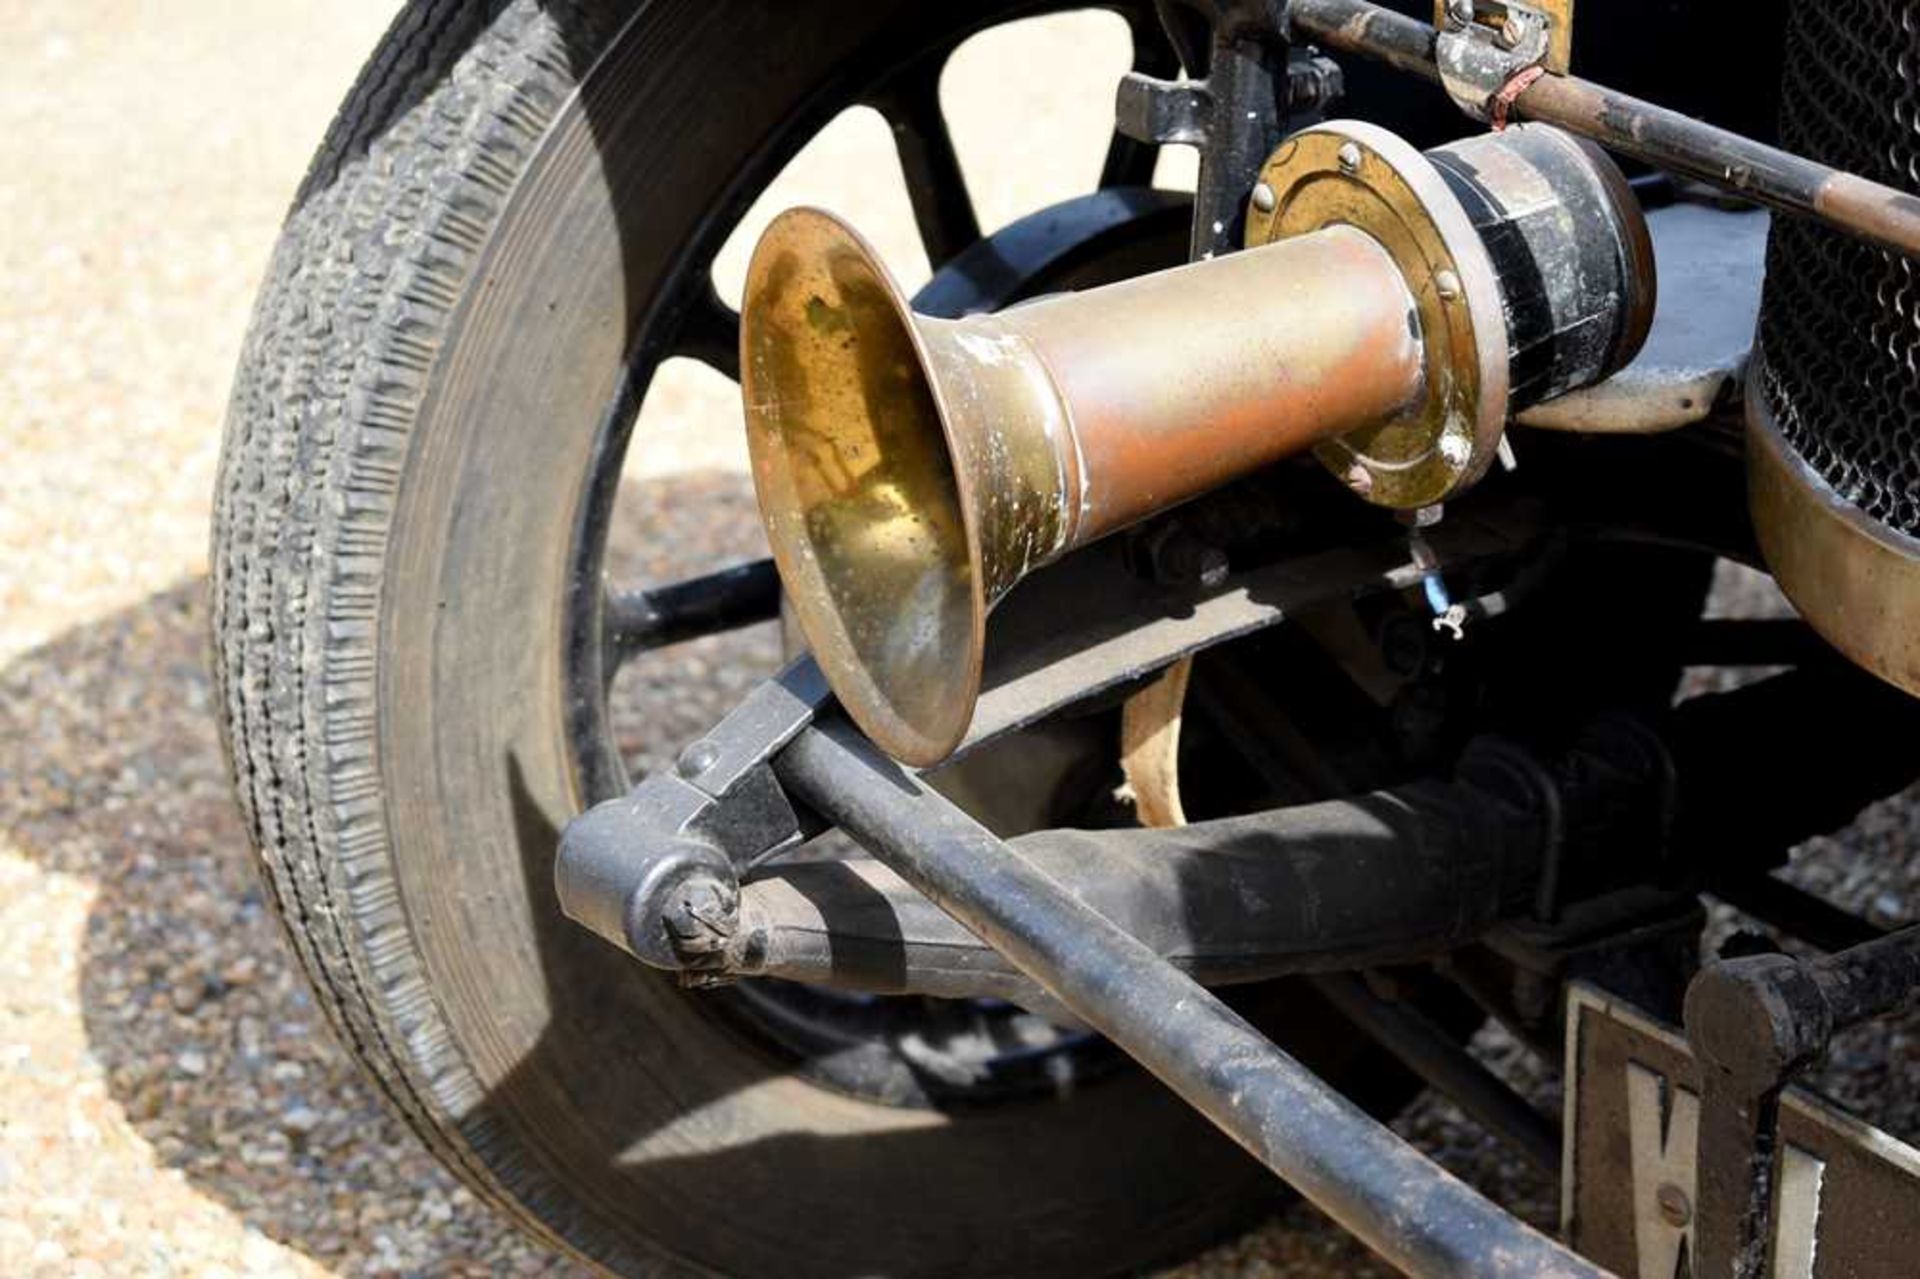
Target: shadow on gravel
(111, 771)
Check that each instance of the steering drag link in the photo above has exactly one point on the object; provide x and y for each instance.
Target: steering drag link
(668, 891)
(1402, 1205)
(1098, 925)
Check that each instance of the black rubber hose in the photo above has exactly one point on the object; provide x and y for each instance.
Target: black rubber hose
(1391, 876)
(1382, 878)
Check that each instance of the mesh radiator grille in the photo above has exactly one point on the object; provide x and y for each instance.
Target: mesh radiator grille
(1840, 325)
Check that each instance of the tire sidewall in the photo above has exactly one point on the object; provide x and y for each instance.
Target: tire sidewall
(638, 1127)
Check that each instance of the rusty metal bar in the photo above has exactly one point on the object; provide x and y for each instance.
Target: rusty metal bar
(1409, 1210)
(1403, 43)
(1667, 139)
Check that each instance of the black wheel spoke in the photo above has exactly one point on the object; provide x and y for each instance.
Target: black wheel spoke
(710, 332)
(1129, 162)
(942, 207)
(637, 621)
(1755, 641)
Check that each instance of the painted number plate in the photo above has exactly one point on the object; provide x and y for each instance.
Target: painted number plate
(1849, 1195)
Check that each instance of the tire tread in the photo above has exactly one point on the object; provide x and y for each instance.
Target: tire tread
(377, 251)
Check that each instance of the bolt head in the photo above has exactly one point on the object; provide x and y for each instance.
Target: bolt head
(1349, 157)
(1676, 1208)
(1460, 12)
(1456, 450)
(1446, 282)
(697, 759)
(1360, 480)
(699, 919)
(1214, 568)
(683, 904)
(1263, 198)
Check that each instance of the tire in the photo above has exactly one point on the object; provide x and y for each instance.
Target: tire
(447, 317)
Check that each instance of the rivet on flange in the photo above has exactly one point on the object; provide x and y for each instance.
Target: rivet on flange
(1676, 1209)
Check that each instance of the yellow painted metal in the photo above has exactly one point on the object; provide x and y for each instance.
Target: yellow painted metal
(1559, 59)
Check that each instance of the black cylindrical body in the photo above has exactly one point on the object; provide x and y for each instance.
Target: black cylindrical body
(1570, 247)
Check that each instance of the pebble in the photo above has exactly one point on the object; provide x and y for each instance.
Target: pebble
(188, 995)
(300, 1119)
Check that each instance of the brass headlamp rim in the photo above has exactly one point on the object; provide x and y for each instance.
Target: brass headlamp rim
(1855, 580)
(811, 233)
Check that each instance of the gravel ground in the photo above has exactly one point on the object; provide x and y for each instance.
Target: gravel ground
(170, 1101)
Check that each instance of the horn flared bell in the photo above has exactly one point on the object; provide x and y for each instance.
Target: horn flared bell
(1391, 310)
(910, 470)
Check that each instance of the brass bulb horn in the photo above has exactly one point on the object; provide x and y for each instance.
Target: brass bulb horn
(910, 470)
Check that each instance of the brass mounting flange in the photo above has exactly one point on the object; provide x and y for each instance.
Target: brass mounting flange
(1356, 174)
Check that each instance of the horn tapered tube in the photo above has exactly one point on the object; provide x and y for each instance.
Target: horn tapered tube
(910, 470)
(1391, 311)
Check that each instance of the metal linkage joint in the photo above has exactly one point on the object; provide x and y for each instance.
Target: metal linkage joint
(1755, 1024)
(1181, 112)
(657, 871)
(1314, 83)
(1163, 112)
(1254, 89)
(1486, 46)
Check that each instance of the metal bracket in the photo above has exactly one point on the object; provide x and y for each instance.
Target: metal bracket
(1163, 112)
(1255, 87)
(744, 808)
(675, 903)
(1181, 112)
(1755, 1024)
(1483, 47)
